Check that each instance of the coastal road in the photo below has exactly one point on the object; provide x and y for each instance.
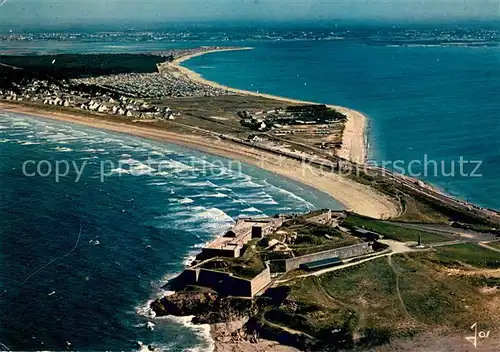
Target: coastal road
(449, 231)
(485, 245)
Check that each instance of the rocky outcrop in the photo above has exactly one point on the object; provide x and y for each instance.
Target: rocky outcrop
(207, 307)
(232, 319)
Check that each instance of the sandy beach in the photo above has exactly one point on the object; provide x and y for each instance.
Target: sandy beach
(354, 196)
(354, 138)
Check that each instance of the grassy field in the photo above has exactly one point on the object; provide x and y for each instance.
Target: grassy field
(417, 212)
(470, 254)
(354, 303)
(387, 298)
(434, 297)
(393, 232)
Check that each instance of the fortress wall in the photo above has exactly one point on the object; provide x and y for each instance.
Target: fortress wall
(189, 277)
(212, 279)
(226, 283)
(260, 281)
(217, 252)
(342, 253)
(285, 265)
(235, 286)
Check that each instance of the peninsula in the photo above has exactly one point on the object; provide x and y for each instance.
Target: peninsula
(319, 145)
(401, 260)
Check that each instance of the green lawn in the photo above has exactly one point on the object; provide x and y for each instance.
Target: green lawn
(469, 254)
(383, 298)
(393, 232)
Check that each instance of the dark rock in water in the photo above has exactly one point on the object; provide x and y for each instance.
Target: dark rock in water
(207, 307)
(184, 303)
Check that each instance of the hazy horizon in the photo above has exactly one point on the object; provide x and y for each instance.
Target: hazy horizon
(51, 13)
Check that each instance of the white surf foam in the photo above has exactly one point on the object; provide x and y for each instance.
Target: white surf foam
(141, 169)
(158, 183)
(252, 210)
(198, 184)
(21, 124)
(172, 166)
(291, 195)
(120, 171)
(181, 200)
(245, 184)
(63, 149)
(210, 195)
(91, 150)
(185, 201)
(202, 331)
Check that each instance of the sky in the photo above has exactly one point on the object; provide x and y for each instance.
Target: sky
(52, 12)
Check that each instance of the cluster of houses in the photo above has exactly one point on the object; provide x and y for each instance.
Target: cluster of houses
(277, 118)
(44, 92)
(128, 107)
(153, 85)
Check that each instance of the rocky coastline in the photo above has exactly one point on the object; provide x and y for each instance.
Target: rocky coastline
(235, 321)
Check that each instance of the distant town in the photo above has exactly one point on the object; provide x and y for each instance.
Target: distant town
(120, 94)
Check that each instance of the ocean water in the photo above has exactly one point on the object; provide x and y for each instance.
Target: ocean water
(425, 102)
(81, 257)
(430, 92)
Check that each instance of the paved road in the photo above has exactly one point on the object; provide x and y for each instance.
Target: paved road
(442, 244)
(485, 245)
(452, 232)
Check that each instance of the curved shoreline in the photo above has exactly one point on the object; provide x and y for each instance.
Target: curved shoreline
(354, 196)
(354, 146)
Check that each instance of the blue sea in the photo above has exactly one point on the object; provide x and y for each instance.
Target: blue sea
(80, 260)
(424, 102)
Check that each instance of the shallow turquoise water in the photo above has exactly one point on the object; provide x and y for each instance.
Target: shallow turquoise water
(424, 100)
